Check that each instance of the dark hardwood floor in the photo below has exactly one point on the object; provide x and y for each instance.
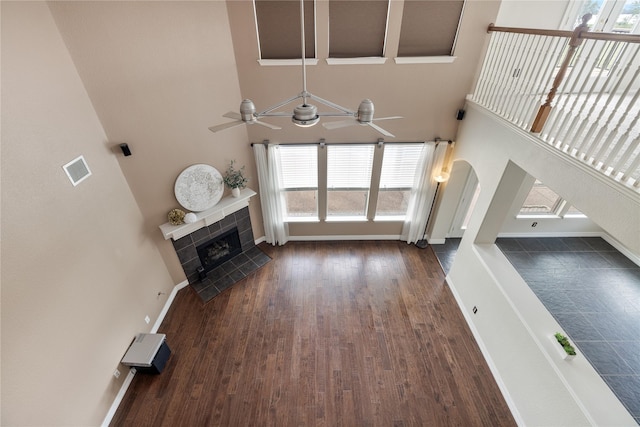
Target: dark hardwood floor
(329, 334)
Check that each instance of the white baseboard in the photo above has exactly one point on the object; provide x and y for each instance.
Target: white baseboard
(487, 357)
(552, 234)
(132, 371)
(342, 237)
(167, 304)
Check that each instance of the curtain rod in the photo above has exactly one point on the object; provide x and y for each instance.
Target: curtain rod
(379, 142)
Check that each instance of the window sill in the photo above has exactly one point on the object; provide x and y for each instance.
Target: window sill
(425, 59)
(346, 219)
(371, 60)
(389, 218)
(286, 62)
(309, 219)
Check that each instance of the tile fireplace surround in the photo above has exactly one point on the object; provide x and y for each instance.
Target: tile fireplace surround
(230, 212)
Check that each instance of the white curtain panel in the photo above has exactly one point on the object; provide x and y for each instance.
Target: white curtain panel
(271, 198)
(424, 191)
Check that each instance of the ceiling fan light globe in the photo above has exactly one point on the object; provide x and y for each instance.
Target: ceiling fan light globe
(305, 115)
(365, 111)
(247, 110)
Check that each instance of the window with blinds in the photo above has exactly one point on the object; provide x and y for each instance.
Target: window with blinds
(349, 170)
(278, 23)
(429, 27)
(338, 177)
(299, 178)
(397, 178)
(357, 28)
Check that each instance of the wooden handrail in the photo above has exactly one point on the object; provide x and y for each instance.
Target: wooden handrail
(534, 31)
(618, 37)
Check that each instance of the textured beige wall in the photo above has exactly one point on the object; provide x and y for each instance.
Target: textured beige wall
(159, 74)
(427, 95)
(79, 272)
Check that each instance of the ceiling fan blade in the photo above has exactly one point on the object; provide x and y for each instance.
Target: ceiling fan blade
(224, 126)
(232, 115)
(388, 118)
(268, 125)
(339, 124)
(382, 131)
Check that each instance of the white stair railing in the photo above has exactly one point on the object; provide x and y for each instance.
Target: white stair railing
(575, 90)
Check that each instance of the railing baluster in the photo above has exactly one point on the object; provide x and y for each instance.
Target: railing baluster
(490, 81)
(542, 81)
(575, 41)
(596, 109)
(526, 80)
(631, 171)
(559, 129)
(487, 68)
(593, 93)
(580, 116)
(598, 139)
(613, 158)
(500, 73)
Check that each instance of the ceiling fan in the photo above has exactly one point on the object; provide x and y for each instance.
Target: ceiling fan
(305, 114)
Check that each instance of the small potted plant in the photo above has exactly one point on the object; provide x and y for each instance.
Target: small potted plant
(235, 179)
(567, 348)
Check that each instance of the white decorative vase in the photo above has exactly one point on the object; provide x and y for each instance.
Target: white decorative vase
(235, 192)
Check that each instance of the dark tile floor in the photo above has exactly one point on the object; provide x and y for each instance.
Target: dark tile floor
(229, 273)
(593, 291)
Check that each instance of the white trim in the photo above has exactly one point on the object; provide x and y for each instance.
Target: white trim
(487, 357)
(444, 59)
(369, 60)
(342, 218)
(436, 241)
(617, 186)
(626, 252)
(300, 219)
(286, 62)
(224, 207)
(167, 305)
(553, 234)
(118, 398)
(344, 237)
(132, 372)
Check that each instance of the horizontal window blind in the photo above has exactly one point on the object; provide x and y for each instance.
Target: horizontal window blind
(399, 165)
(299, 166)
(349, 166)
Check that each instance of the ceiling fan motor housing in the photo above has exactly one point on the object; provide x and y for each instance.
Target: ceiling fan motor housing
(305, 115)
(365, 111)
(247, 110)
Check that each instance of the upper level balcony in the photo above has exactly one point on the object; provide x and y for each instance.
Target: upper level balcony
(575, 90)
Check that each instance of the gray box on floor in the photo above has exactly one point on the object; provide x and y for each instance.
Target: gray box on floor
(148, 353)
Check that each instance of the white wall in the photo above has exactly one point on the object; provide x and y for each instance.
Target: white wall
(546, 14)
(542, 388)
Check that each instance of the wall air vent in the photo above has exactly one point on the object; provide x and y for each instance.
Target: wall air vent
(77, 170)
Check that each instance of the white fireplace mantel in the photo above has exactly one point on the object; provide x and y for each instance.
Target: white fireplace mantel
(226, 206)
